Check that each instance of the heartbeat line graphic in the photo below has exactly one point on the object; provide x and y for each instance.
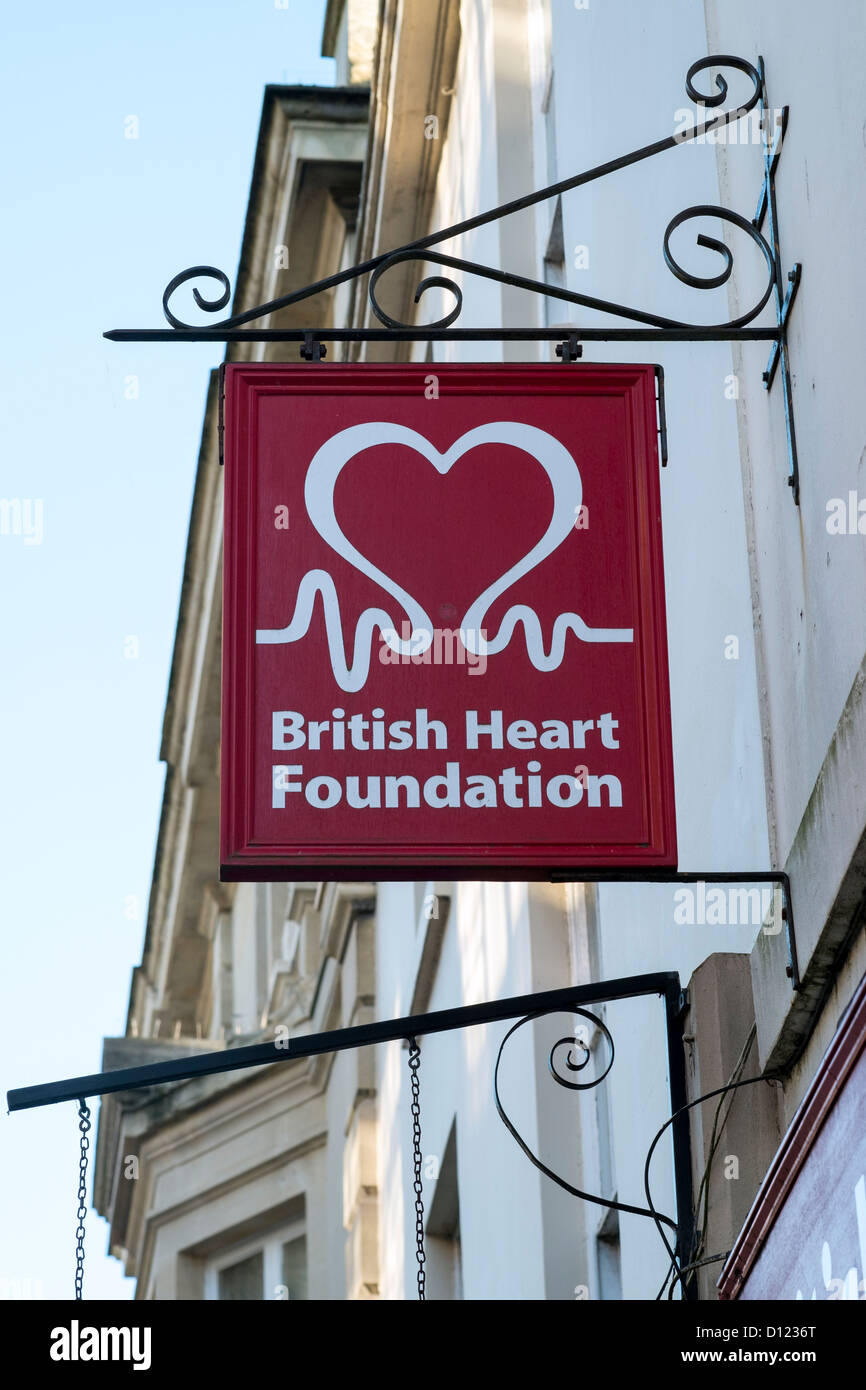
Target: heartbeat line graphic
(322, 474)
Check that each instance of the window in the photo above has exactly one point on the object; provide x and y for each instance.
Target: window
(295, 1269)
(444, 1262)
(244, 1280)
(270, 1267)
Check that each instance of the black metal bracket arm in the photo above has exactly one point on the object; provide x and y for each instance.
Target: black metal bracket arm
(524, 1008)
(778, 877)
(656, 327)
(339, 1040)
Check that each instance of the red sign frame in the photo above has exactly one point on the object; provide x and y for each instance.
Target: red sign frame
(594, 793)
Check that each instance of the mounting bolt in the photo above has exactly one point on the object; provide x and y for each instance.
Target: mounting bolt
(312, 350)
(570, 349)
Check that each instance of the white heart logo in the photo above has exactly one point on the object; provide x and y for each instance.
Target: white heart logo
(322, 474)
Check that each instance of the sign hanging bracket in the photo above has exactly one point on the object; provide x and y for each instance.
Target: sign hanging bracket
(242, 327)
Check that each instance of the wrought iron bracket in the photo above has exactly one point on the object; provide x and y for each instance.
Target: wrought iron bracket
(778, 877)
(524, 1008)
(656, 328)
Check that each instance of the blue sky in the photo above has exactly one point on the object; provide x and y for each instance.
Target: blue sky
(94, 226)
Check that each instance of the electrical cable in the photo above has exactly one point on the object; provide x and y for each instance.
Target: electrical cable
(719, 1091)
(701, 1218)
(696, 1264)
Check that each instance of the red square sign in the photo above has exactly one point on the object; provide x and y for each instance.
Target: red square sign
(444, 624)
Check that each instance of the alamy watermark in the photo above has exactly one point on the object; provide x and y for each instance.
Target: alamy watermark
(748, 130)
(22, 516)
(713, 906)
(441, 646)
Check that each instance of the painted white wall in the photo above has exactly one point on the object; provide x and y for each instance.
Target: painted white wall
(811, 583)
(504, 1213)
(626, 69)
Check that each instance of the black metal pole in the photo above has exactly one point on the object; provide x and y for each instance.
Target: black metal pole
(288, 1049)
(681, 1135)
(768, 334)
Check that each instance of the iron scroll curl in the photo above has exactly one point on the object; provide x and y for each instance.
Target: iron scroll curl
(573, 1066)
(724, 60)
(708, 282)
(210, 306)
(429, 282)
(578, 1066)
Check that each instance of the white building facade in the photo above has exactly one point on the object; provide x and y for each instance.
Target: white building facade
(295, 1181)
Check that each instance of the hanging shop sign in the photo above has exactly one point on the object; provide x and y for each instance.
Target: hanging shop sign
(444, 622)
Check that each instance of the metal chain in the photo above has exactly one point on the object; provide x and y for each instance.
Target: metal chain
(84, 1126)
(414, 1063)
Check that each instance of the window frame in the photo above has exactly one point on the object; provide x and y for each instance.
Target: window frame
(270, 1244)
